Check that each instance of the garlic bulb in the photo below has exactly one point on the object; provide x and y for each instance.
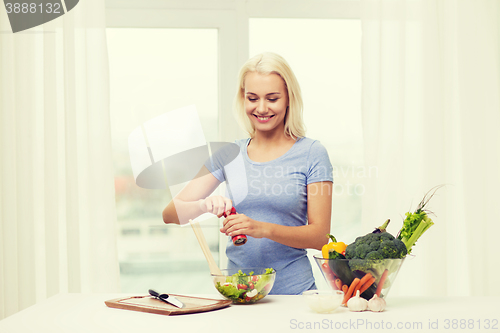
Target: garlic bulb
(376, 304)
(357, 303)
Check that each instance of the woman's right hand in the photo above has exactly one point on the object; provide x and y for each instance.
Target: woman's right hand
(216, 204)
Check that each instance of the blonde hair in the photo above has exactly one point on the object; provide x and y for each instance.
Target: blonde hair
(272, 63)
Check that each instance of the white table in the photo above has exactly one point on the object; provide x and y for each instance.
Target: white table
(87, 313)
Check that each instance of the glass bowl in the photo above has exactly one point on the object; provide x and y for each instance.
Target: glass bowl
(323, 301)
(340, 273)
(245, 285)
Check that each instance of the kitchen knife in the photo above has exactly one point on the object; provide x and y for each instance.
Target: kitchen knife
(166, 298)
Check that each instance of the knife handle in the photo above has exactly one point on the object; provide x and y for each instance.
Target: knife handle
(238, 240)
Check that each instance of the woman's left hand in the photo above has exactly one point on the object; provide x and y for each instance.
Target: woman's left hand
(240, 224)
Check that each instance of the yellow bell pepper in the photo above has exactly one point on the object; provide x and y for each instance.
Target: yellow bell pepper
(332, 246)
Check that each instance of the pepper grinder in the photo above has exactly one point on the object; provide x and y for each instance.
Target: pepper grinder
(238, 239)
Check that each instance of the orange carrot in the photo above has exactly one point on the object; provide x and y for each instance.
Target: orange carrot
(344, 288)
(366, 285)
(339, 284)
(381, 282)
(350, 290)
(363, 280)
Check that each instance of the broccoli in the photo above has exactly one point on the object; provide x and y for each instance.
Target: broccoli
(376, 246)
(368, 252)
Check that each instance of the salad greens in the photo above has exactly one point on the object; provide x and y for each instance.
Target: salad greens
(230, 291)
(243, 288)
(264, 279)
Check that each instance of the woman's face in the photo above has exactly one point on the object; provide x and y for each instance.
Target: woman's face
(266, 101)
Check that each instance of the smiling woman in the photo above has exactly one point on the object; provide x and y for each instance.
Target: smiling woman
(267, 88)
(234, 39)
(262, 107)
(268, 99)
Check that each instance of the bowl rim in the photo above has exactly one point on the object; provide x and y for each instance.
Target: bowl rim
(244, 269)
(323, 291)
(318, 257)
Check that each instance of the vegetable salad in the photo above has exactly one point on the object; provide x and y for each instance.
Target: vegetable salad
(246, 289)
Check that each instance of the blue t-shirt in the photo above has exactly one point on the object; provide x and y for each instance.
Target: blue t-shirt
(274, 192)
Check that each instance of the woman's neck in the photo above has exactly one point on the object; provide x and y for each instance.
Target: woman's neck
(274, 138)
(264, 148)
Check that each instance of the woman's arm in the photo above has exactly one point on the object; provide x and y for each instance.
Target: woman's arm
(192, 201)
(312, 235)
